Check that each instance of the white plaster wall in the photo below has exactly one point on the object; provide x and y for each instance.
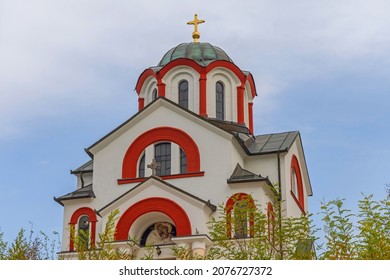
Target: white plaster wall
(219, 155)
(265, 165)
(258, 190)
(87, 178)
(291, 205)
(215, 153)
(70, 207)
(196, 210)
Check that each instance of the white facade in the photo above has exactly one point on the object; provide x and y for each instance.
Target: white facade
(214, 151)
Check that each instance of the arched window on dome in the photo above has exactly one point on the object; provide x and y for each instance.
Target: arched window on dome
(183, 94)
(154, 94)
(141, 167)
(162, 154)
(219, 101)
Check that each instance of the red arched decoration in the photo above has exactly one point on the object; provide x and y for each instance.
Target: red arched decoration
(153, 204)
(202, 80)
(271, 223)
(180, 62)
(300, 199)
(142, 78)
(229, 208)
(228, 65)
(251, 81)
(74, 219)
(171, 134)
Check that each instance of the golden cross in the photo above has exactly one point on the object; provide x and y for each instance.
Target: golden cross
(195, 22)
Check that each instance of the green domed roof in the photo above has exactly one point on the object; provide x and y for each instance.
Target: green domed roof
(202, 53)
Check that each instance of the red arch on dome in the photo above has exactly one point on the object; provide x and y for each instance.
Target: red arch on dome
(84, 211)
(153, 204)
(170, 134)
(143, 77)
(180, 62)
(252, 85)
(228, 65)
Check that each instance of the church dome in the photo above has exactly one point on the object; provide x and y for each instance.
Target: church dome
(202, 53)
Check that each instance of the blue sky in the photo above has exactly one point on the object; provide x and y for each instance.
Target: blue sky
(68, 71)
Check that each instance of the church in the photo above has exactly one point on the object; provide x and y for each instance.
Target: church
(190, 147)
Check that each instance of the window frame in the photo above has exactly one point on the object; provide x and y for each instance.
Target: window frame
(182, 161)
(154, 94)
(164, 159)
(183, 97)
(141, 166)
(231, 204)
(220, 101)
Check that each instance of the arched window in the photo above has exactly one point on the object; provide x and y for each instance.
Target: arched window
(154, 94)
(297, 184)
(294, 182)
(240, 217)
(183, 162)
(83, 231)
(219, 101)
(82, 219)
(141, 167)
(162, 154)
(183, 94)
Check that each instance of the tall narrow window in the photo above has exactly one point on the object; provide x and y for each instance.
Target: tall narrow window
(240, 219)
(141, 167)
(154, 94)
(220, 101)
(183, 94)
(162, 154)
(183, 162)
(297, 184)
(294, 183)
(83, 231)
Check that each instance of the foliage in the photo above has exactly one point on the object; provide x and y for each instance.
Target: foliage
(368, 238)
(363, 236)
(104, 248)
(257, 246)
(39, 247)
(268, 238)
(373, 229)
(338, 228)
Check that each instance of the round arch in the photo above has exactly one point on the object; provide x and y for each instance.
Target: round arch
(84, 211)
(170, 134)
(153, 204)
(231, 202)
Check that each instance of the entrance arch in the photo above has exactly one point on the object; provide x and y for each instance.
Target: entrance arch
(153, 204)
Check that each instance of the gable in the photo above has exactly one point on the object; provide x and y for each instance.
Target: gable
(155, 200)
(160, 103)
